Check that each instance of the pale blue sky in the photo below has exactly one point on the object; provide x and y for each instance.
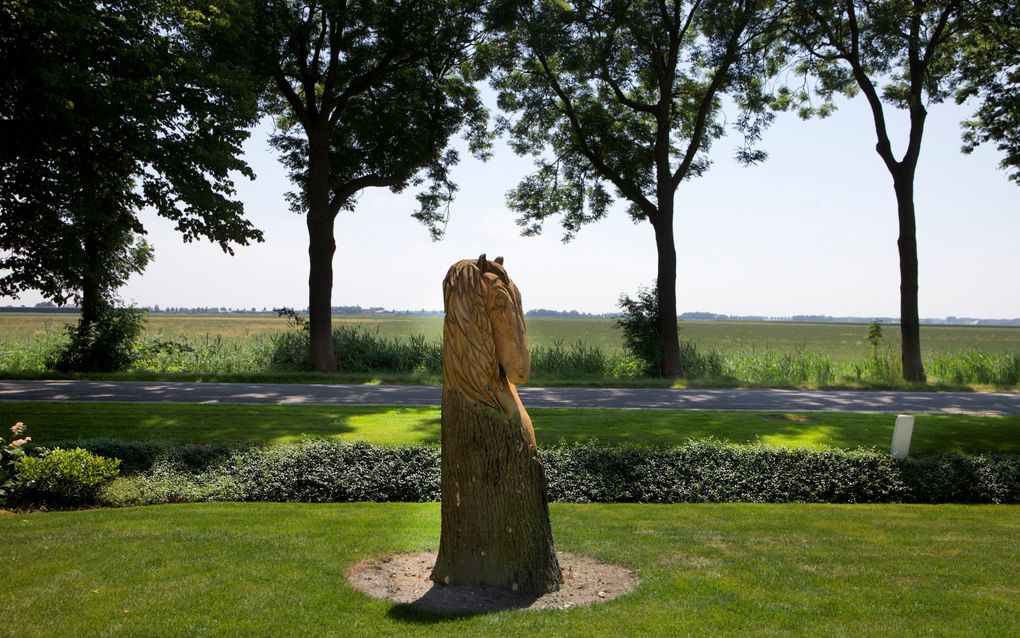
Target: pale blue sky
(811, 231)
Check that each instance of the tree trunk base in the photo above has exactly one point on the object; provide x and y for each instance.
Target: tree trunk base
(495, 512)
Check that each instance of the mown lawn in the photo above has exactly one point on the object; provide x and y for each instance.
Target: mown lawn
(273, 424)
(706, 570)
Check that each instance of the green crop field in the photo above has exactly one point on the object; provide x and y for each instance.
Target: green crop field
(841, 342)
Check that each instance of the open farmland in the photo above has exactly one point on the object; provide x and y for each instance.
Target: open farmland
(841, 342)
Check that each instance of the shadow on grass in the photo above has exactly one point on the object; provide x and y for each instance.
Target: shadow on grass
(430, 429)
(442, 604)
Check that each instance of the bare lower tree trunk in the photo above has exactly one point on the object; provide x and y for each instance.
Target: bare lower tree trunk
(910, 322)
(670, 365)
(495, 527)
(321, 247)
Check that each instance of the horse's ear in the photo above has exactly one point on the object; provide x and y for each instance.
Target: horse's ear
(482, 263)
(499, 260)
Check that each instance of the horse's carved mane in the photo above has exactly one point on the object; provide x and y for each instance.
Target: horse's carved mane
(470, 364)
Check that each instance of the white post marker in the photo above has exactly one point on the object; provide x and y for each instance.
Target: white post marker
(901, 436)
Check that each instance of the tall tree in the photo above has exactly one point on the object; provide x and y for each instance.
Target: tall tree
(991, 73)
(627, 96)
(367, 94)
(901, 54)
(107, 108)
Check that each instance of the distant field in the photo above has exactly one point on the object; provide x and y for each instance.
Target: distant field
(842, 342)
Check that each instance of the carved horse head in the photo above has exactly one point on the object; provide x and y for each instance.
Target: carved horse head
(485, 344)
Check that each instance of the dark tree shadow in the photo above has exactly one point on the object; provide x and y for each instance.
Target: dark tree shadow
(442, 604)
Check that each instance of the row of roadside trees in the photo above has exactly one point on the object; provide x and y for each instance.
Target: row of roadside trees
(110, 108)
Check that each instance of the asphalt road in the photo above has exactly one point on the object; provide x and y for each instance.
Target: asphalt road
(410, 395)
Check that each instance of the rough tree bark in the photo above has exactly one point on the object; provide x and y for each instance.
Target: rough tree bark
(910, 321)
(496, 529)
(321, 247)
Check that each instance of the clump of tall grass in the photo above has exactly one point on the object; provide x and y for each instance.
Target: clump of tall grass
(29, 355)
(974, 366)
(778, 368)
(577, 360)
(363, 350)
(359, 350)
(207, 354)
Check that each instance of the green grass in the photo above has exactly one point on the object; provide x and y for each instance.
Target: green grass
(277, 424)
(705, 570)
(564, 352)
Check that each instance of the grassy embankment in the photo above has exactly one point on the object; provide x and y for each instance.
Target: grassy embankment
(179, 424)
(705, 570)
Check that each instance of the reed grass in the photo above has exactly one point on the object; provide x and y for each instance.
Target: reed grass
(366, 350)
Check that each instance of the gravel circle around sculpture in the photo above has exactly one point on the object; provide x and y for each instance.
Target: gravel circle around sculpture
(404, 578)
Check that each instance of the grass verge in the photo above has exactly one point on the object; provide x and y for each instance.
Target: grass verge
(705, 570)
(276, 424)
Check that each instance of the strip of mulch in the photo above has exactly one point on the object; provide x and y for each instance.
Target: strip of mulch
(404, 578)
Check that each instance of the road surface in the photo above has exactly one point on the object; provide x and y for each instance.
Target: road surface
(411, 395)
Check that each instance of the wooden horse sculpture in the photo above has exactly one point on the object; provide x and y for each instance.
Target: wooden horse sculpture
(495, 515)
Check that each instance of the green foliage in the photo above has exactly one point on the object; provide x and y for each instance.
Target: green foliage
(108, 344)
(974, 366)
(698, 471)
(708, 471)
(383, 85)
(952, 478)
(640, 327)
(580, 360)
(141, 456)
(358, 349)
(991, 73)
(62, 478)
(623, 97)
(106, 109)
(327, 472)
(851, 46)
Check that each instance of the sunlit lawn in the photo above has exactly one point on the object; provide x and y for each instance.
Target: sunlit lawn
(272, 424)
(706, 570)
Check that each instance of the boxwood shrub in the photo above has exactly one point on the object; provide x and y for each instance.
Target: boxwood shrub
(699, 471)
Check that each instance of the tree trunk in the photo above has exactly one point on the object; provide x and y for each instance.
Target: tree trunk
(670, 365)
(495, 513)
(321, 247)
(93, 301)
(910, 323)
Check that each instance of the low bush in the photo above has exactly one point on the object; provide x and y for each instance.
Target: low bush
(107, 344)
(139, 456)
(640, 327)
(699, 471)
(62, 478)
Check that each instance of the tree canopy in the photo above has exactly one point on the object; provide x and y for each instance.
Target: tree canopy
(991, 74)
(623, 99)
(107, 109)
(367, 94)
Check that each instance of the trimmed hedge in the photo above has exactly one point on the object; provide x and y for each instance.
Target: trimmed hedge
(700, 471)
